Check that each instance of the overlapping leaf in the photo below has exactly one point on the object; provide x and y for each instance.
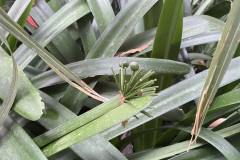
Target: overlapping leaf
(222, 58)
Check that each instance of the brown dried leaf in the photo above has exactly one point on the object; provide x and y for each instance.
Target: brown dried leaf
(124, 123)
(139, 49)
(217, 122)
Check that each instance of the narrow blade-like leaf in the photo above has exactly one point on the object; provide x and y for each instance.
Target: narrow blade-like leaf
(83, 70)
(170, 150)
(16, 144)
(12, 91)
(113, 117)
(222, 57)
(55, 64)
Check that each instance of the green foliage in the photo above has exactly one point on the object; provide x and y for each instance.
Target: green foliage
(64, 95)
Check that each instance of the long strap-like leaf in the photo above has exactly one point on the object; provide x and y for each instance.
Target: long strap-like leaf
(10, 96)
(56, 65)
(111, 118)
(222, 57)
(214, 138)
(77, 122)
(82, 70)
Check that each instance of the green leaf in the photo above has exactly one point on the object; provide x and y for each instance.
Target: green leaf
(168, 37)
(102, 12)
(193, 56)
(104, 65)
(152, 16)
(165, 30)
(222, 105)
(65, 154)
(86, 33)
(22, 20)
(222, 58)
(31, 71)
(11, 89)
(218, 142)
(102, 123)
(112, 38)
(77, 122)
(207, 152)
(175, 96)
(16, 11)
(203, 6)
(29, 109)
(219, 10)
(230, 120)
(187, 8)
(57, 114)
(55, 64)
(63, 42)
(74, 100)
(166, 46)
(97, 147)
(193, 26)
(68, 14)
(213, 138)
(16, 143)
(175, 115)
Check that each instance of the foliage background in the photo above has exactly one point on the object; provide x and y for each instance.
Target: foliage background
(47, 46)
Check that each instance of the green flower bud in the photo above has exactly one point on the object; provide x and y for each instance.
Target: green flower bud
(123, 64)
(134, 66)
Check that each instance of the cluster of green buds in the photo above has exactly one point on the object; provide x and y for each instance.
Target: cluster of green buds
(137, 85)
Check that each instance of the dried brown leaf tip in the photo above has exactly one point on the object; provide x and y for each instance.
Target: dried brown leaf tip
(135, 86)
(199, 119)
(136, 50)
(217, 122)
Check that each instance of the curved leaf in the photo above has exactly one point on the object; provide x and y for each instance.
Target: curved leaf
(192, 41)
(208, 152)
(54, 63)
(222, 105)
(217, 141)
(193, 26)
(68, 14)
(28, 102)
(164, 152)
(176, 96)
(112, 38)
(193, 56)
(11, 92)
(175, 115)
(103, 65)
(63, 42)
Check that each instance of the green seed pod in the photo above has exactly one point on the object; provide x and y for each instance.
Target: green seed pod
(125, 64)
(120, 63)
(134, 66)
